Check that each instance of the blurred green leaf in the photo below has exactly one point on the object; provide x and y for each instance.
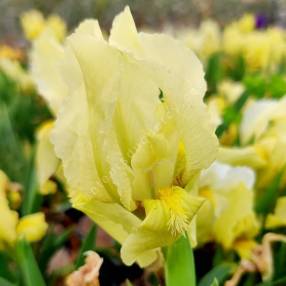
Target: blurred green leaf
(4, 282)
(179, 265)
(266, 201)
(220, 273)
(128, 283)
(237, 68)
(87, 244)
(26, 110)
(251, 279)
(30, 271)
(31, 195)
(260, 86)
(279, 261)
(232, 113)
(214, 72)
(8, 89)
(8, 268)
(51, 243)
(256, 85)
(12, 159)
(277, 86)
(279, 282)
(215, 282)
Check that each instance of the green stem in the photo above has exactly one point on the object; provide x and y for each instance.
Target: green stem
(179, 263)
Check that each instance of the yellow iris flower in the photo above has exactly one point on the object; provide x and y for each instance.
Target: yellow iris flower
(278, 218)
(260, 49)
(14, 70)
(8, 217)
(33, 227)
(132, 132)
(228, 215)
(34, 24)
(263, 135)
(246, 23)
(9, 52)
(46, 161)
(264, 123)
(205, 41)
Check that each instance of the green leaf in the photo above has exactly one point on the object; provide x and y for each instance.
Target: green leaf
(179, 265)
(30, 271)
(237, 68)
(214, 72)
(215, 282)
(256, 85)
(232, 113)
(279, 260)
(12, 159)
(87, 244)
(265, 202)
(220, 273)
(26, 113)
(31, 195)
(4, 282)
(277, 86)
(240, 102)
(7, 266)
(279, 282)
(26, 109)
(51, 243)
(8, 89)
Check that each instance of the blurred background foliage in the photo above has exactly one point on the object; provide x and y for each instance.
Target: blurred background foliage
(151, 13)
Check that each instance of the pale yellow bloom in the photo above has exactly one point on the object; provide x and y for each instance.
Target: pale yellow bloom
(32, 227)
(58, 26)
(278, 218)
(245, 247)
(261, 50)
(205, 41)
(229, 216)
(216, 105)
(8, 217)
(15, 198)
(258, 116)
(266, 156)
(49, 187)
(276, 162)
(14, 70)
(276, 36)
(33, 24)
(4, 181)
(232, 40)
(257, 51)
(264, 123)
(46, 161)
(251, 156)
(230, 90)
(129, 104)
(246, 23)
(46, 55)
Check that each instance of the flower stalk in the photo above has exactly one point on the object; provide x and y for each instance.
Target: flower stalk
(179, 263)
